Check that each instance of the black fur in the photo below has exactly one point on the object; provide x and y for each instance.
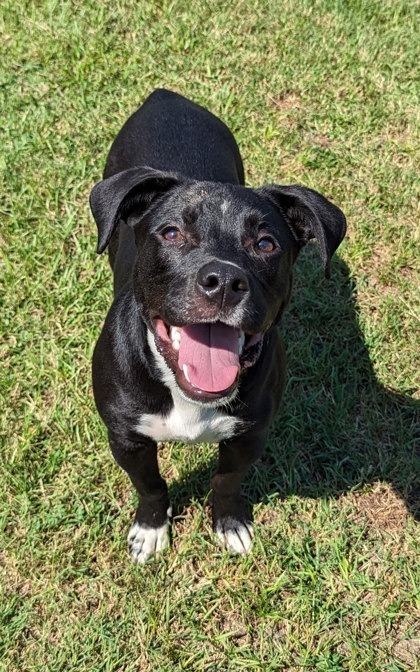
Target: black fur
(189, 244)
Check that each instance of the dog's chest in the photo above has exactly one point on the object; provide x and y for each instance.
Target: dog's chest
(188, 422)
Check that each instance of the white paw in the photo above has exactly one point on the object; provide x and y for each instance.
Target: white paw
(234, 536)
(144, 542)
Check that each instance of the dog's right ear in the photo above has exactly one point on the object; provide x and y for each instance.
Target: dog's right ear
(115, 197)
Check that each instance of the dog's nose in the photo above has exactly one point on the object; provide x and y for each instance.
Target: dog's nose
(222, 281)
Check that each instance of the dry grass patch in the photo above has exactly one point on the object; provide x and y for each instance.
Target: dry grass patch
(380, 509)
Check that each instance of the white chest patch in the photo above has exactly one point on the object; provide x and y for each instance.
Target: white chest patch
(188, 421)
(188, 424)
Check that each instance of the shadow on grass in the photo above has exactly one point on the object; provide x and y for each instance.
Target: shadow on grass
(339, 428)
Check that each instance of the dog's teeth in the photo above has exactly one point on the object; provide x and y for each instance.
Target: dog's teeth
(175, 337)
(185, 370)
(175, 334)
(241, 341)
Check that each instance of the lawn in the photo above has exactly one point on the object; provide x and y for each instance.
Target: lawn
(317, 92)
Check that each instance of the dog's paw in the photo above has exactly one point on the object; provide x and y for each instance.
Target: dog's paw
(145, 542)
(234, 535)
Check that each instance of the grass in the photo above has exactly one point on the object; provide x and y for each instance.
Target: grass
(317, 92)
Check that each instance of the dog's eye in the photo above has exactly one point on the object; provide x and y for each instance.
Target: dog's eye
(266, 244)
(172, 234)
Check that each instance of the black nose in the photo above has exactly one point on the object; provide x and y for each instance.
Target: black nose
(224, 282)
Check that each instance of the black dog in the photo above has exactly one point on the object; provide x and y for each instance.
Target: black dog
(202, 267)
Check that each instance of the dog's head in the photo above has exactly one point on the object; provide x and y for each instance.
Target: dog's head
(214, 265)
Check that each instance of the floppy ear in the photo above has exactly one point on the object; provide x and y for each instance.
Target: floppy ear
(309, 215)
(115, 197)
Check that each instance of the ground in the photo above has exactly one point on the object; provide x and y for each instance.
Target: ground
(318, 93)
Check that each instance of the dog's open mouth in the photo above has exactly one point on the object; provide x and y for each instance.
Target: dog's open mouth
(207, 358)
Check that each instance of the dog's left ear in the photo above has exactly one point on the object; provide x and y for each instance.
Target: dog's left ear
(117, 196)
(309, 215)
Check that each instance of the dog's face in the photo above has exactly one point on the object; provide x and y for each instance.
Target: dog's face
(212, 275)
(214, 266)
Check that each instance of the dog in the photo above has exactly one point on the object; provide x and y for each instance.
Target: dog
(190, 349)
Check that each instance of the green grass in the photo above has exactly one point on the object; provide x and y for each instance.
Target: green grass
(318, 92)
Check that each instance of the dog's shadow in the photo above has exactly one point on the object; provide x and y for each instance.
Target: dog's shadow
(339, 427)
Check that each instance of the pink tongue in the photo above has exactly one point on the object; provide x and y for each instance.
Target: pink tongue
(211, 355)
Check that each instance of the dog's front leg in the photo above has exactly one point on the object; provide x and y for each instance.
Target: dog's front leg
(149, 533)
(232, 521)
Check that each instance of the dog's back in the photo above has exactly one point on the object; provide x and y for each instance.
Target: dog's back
(169, 132)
